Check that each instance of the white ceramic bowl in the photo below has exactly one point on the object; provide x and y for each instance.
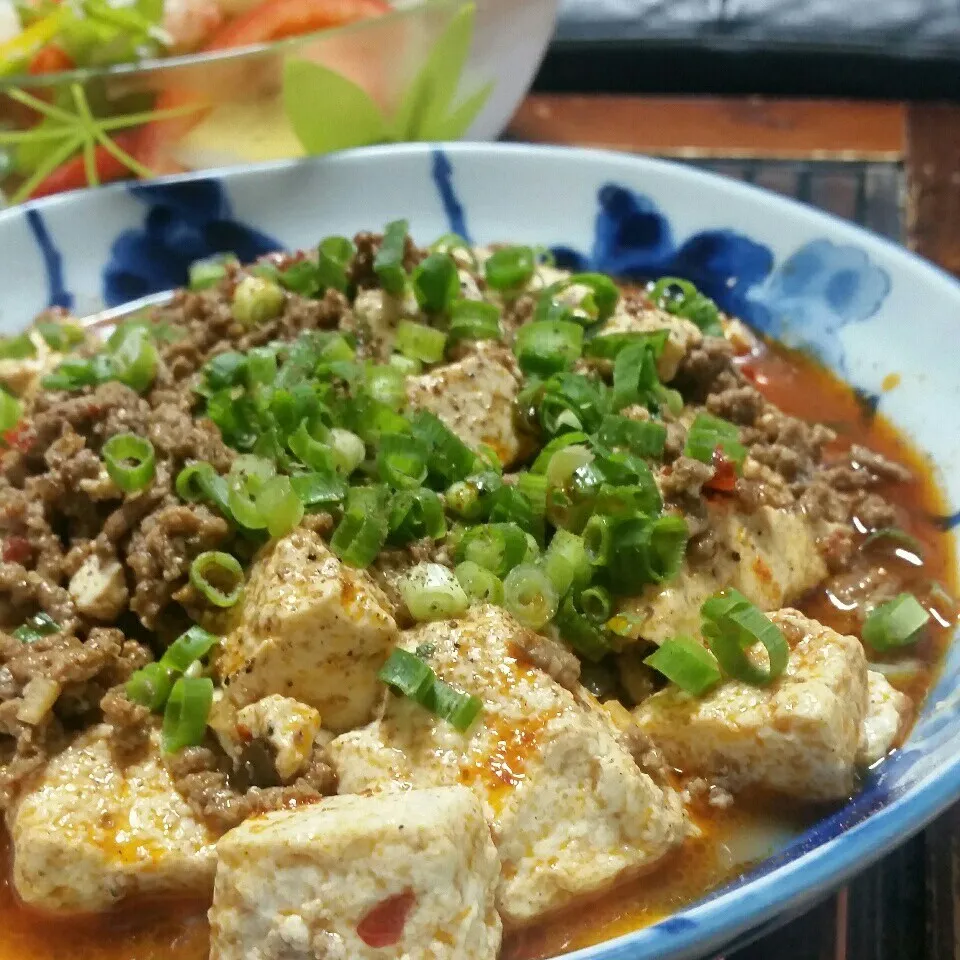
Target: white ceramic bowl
(867, 306)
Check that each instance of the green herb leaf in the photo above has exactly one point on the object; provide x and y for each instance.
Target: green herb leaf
(327, 111)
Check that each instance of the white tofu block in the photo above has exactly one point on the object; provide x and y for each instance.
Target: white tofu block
(888, 715)
(571, 812)
(89, 833)
(405, 875)
(287, 726)
(770, 556)
(475, 398)
(310, 628)
(799, 736)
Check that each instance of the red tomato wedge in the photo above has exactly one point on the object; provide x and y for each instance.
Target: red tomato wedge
(50, 59)
(72, 175)
(277, 19)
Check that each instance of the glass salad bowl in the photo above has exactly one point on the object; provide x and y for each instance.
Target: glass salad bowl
(436, 70)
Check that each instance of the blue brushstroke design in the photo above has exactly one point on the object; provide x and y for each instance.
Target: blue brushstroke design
(57, 293)
(184, 222)
(949, 522)
(868, 402)
(442, 172)
(804, 301)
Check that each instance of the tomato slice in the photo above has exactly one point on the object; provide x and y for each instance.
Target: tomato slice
(277, 19)
(72, 175)
(50, 59)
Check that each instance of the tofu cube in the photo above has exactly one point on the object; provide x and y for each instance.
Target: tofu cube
(799, 736)
(99, 589)
(770, 556)
(475, 398)
(288, 727)
(401, 875)
(570, 810)
(888, 715)
(89, 833)
(310, 628)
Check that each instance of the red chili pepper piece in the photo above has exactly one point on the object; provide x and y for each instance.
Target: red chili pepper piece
(72, 175)
(383, 925)
(50, 59)
(724, 477)
(16, 550)
(20, 437)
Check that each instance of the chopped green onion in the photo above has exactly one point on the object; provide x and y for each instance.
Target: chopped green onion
(20, 347)
(457, 708)
(280, 506)
(207, 273)
(388, 263)
(11, 410)
(686, 663)
(587, 298)
(450, 459)
(509, 268)
(420, 342)
(256, 300)
(333, 257)
(509, 505)
(415, 514)
(708, 433)
(432, 592)
(246, 479)
(473, 497)
(224, 370)
(474, 320)
(644, 438)
(564, 463)
(407, 674)
(598, 540)
(534, 488)
(671, 399)
(193, 645)
(406, 365)
(348, 450)
(596, 603)
(402, 461)
(571, 402)
(436, 283)
(608, 346)
(185, 716)
(479, 583)
(133, 358)
(39, 625)
(310, 451)
(634, 376)
(218, 577)
(130, 461)
(497, 547)
(897, 623)
(566, 562)
(645, 551)
(580, 632)
(319, 490)
(453, 243)
(681, 298)
(150, 686)
(363, 529)
(732, 625)
(529, 594)
(199, 481)
(895, 535)
(387, 385)
(61, 336)
(562, 440)
(548, 347)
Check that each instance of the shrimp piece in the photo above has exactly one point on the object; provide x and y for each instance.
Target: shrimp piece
(190, 22)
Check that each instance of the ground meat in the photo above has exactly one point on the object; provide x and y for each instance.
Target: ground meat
(203, 776)
(549, 656)
(699, 369)
(130, 729)
(878, 465)
(875, 513)
(391, 566)
(740, 404)
(362, 273)
(684, 479)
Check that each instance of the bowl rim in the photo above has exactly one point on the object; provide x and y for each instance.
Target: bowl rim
(187, 61)
(749, 902)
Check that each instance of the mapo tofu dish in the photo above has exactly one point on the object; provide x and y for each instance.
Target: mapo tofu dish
(383, 601)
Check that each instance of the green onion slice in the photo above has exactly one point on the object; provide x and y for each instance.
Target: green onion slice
(568, 439)
(509, 268)
(432, 592)
(387, 385)
(186, 713)
(731, 625)
(39, 625)
(130, 461)
(319, 490)
(207, 273)
(436, 283)
(683, 299)
(415, 514)
(479, 583)
(529, 594)
(474, 320)
(644, 438)
(895, 535)
(20, 347)
(450, 459)
(218, 576)
(150, 686)
(566, 562)
(686, 663)
(11, 410)
(363, 529)
(420, 342)
(133, 357)
(193, 645)
(402, 461)
(497, 547)
(388, 263)
(897, 623)
(547, 347)
(280, 506)
(596, 602)
(584, 636)
(708, 433)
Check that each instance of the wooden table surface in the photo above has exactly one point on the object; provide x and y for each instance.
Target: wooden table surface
(906, 907)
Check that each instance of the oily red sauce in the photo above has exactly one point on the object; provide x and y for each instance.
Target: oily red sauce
(178, 930)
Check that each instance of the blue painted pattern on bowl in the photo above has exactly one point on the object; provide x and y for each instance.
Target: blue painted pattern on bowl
(867, 307)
